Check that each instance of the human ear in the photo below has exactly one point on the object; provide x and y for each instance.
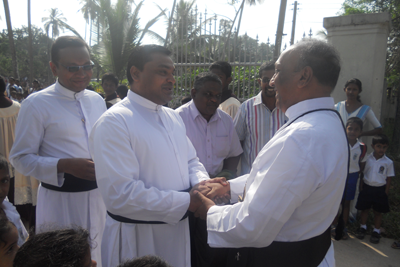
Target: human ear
(306, 76)
(135, 73)
(229, 80)
(193, 93)
(259, 81)
(53, 68)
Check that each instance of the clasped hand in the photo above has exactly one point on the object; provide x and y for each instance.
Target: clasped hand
(205, 194)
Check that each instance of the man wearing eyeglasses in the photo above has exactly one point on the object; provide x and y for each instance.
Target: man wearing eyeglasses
(258, 119)
(51, 144)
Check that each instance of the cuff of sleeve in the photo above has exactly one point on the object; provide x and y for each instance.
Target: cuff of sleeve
(52, 176)
(236, 189)
(214, 215)
(179, 206)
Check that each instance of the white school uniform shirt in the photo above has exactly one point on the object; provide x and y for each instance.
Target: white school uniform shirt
(13, 215)
(214, 141)
(142, 159)
(364, 113)
(355, 153)
(255, 125)
(294, 189)
(53, 124)
(377, 170)
(230, 106)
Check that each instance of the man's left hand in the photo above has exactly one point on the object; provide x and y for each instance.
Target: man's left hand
(206, 205)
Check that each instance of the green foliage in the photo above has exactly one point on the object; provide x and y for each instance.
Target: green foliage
(39, 49)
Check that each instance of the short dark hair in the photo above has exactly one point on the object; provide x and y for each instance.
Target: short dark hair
(355, 120)
(3, 163)
(141, 55)
(223, 66)
(380, 139)
(322, 58)
(266, 66)
(110, 77)
(122, 91)
(2, 85)
(204, 77)
(5, 227)
(356, 82)
(11, 78)
(61, 248)
(145, 261)
(64, 42)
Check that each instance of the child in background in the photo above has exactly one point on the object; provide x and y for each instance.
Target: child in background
(374, 188)
(354, 127)
(8, 241)
(7, 208)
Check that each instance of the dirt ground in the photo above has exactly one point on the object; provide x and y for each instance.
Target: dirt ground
(355, 252)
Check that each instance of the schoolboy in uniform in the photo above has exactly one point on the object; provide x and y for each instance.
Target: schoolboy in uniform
(374, 187)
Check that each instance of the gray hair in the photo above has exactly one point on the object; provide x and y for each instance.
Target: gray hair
(322, 58)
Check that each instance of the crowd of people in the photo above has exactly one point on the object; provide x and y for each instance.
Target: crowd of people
(123, 180)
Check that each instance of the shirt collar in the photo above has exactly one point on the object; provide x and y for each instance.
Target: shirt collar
(69, 93)
(307, 105)
(357, 144)
(258, 99)
(144, 102)
(194, 112)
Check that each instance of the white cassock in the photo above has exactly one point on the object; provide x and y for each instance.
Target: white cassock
(294, 188)
(53, 124)
(143, 158)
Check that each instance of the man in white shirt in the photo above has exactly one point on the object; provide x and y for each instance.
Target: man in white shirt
(145, 165)
(51, 144)
(258, 118)
(296, 183)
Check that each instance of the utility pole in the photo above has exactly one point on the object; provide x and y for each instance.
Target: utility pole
(279, 31)
(293, 23)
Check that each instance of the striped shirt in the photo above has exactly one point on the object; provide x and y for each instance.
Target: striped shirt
(255, 125)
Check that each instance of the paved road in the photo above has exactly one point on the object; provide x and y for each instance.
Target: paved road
(354, 252)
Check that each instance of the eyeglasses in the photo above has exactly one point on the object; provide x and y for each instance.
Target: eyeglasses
(77, 68)
(265, 80)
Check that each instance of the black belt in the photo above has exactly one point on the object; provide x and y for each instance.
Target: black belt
(127, 220)
(72, 184)
(305, 253)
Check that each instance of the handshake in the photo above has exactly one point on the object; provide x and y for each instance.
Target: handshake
(205, 194)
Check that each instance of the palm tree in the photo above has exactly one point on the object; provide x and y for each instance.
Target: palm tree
(57, 22)
(11, 39)
(121, 33)
(89, 10)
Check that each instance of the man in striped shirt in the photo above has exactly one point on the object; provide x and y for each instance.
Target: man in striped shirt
(258, 119)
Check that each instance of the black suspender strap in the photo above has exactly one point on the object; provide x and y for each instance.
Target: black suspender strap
(305, 253)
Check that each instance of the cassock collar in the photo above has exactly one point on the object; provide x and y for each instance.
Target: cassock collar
(307, 105)
(69, 93)
(194, 112)
(144, 102)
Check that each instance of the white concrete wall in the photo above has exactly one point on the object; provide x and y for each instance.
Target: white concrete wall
(362, 42)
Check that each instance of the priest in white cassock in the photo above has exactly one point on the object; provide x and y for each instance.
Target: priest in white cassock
(145, 166)
(296, 182)
(51, 144)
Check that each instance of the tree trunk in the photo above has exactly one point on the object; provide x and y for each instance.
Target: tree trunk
(11, 40)
(169, 23)
(240, 20)
(30, 44)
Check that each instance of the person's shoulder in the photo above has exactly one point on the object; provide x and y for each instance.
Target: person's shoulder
(183, 109)
(387, 159)
(233, 101)
(224, 116)
(93, 95)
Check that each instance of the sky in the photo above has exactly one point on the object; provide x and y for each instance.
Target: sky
(261, 19)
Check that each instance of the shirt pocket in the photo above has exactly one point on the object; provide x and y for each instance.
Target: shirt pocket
(221, 146)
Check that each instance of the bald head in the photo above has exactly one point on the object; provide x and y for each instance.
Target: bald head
(322, 58)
